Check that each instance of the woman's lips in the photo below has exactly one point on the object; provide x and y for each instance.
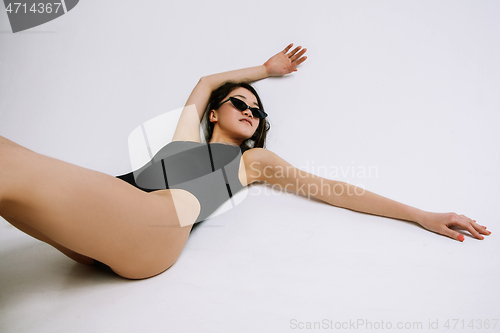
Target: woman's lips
(247, 121)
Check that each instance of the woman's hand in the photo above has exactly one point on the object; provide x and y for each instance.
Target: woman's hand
(284, 63)
(441, 223)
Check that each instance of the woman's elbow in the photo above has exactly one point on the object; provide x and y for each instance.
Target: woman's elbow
(204, 81)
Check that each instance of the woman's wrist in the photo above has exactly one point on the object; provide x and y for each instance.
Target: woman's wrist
(264, 74)
(420, 215)
(266, 70)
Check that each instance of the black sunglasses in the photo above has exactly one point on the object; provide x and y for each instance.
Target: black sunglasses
(242, 106)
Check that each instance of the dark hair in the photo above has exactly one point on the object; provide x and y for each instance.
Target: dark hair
(258, 139)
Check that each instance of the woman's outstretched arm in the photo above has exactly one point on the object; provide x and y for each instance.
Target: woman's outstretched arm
(272, 169)
(282, 63)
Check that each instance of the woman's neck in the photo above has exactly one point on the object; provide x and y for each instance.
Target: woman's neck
(225, 140)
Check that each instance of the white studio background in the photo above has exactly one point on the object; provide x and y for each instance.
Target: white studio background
(409, 88)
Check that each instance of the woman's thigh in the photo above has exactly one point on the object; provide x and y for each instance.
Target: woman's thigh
(137, 234)
(41, 237)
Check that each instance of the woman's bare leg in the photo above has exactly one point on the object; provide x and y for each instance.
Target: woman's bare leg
(37, 234)
(41, 237)
(99, 216)
(5, 141)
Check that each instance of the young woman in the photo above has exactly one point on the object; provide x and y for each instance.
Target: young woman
(138, 223)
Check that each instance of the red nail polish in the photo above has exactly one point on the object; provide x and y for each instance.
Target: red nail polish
(461, 238)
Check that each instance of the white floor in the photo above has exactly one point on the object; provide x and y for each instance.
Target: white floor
(407, 88)
(300, 261)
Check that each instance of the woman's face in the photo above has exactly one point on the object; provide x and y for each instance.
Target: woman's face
(231, 120)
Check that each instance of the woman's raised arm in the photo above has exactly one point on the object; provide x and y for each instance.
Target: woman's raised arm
(282, 63)
(201, 92)
(270, 168)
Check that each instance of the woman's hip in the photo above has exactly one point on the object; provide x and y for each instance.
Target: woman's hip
(92, 213)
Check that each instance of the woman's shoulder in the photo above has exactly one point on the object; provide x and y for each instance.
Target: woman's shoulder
(258, 160)
(253, 151)
(262, 156)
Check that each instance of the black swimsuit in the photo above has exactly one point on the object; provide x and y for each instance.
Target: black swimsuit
(208, 171)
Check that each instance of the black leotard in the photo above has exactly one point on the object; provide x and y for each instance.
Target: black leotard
(208, 171)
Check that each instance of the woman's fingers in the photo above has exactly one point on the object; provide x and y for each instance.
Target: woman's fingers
(301, 60)
(443, 223)
(284, 62)
(298, 55)
(452, 234)
(473, 231)
(481, 229)
(298, 62)
(287, 48)
(474, 228)
(463, 222)
(295, 50)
